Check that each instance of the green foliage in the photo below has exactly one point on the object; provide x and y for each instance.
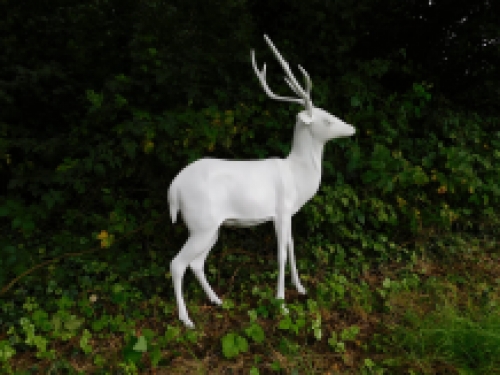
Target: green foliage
(255, 332)
(33, 339)
(6, 351)
(233, 344)
(338, 343)
(84, 342)
(135, 346)
(287, 323)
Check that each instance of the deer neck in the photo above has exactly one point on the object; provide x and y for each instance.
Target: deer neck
(304, 162)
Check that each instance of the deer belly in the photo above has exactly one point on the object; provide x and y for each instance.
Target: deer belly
(245, 222)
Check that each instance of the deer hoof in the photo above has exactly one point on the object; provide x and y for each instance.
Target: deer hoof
(301, 289)
(284, 310)
(216, 301)
(188, 323)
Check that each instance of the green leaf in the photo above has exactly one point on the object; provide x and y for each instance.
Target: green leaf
(4, 211)
(233, 344)
(155, 355)
(6, 351)
(285, 323)
(84, 342)
(128, 352)
(41, 320)
(17, 222)
(386, 283)
(262, 310)
(28, 226)
(349, 334)
(57, 323)
(73, 323)
(332, 341)
(241, 343)
(192, 336)
(229, 348)
(360, 217)
(148, 334)
(141, 345)
(256, 333)
(227, 304)
(171, 333)
(64, 302)
(95, 98)
(317, 333)
(355, 101)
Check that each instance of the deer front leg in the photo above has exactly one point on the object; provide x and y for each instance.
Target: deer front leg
(293, 267)
(283, 229)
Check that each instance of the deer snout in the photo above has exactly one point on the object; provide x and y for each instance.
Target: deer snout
(348, 130)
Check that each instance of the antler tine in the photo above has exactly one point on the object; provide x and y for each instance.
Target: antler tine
(308, 80)
(297, 88)
(308, 83)
(290, 84)
(308, 90)
(308, 103)
(261, 75)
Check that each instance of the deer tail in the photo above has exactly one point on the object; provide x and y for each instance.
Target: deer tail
(173, 200)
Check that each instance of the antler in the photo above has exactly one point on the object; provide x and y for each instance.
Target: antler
(305, 96)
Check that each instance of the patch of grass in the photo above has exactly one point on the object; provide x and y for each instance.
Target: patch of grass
(472, 344)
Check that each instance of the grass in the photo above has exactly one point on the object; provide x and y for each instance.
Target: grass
(436, 314)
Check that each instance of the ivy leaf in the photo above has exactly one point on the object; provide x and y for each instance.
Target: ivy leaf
(233, 344)
(148, 334)
(256, 333)
(355, 101)
(171, 333)
(73, 323)
(229, 348)
(17, 222)
(129, 354)
(4, 211)
(241, 343)
(141, 345)
(155, 355)
(285, 323)
(317, 333)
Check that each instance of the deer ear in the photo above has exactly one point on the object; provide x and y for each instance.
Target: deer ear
(305, 118)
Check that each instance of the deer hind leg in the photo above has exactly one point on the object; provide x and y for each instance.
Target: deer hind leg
(197, 266)
(293, 267)
(196, 244)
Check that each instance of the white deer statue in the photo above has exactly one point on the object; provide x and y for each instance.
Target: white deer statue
(214, 192)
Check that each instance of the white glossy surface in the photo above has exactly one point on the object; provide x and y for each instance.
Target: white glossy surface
(214, 192)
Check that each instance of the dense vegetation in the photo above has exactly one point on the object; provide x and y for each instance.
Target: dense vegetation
(103, 102)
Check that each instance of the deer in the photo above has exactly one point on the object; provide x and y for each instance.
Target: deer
(211, 192)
